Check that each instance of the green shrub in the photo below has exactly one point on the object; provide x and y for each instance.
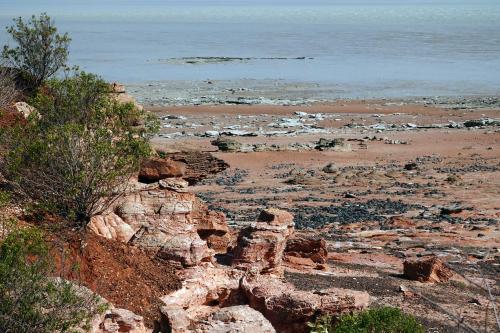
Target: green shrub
(31, 301)
(76, 155)
(40, 51)
(376, 320)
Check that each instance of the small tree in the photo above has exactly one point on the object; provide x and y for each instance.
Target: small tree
(40, 50)
(80, 154)
(30, 300)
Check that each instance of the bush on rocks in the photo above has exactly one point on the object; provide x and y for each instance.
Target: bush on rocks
(79, 152)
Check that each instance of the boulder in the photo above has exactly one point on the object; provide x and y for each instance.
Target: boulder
(184, 250)
(338, 144)
(199, 165)
(25, 109)
(262, 244)
(330, 168)
(204, 290)
(311, 247)
(431, 270)
(165, 221)
(174, 184)
(227, 145)
(289, 310)
(111, 226)
(121, 321)
(240, 318)
(156, 169)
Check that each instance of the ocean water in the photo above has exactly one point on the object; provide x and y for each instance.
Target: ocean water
(365, 48)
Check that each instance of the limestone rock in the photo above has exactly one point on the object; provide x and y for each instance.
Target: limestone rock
(156, 169)
(240, 318)
(25, 109)
(166, 222)
(111, 226)
(174, 184)
(430, 270)
(121, 321)
(289, 309)
(185, 249)
(204, 290)
(262, 244)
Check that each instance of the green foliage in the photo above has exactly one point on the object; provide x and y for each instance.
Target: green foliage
(31, 301)
(376, 320)
(77, 154)
(40, 51)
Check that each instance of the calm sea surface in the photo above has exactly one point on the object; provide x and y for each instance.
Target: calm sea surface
(372, 48)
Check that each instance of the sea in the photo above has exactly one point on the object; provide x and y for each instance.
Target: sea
(359, 48)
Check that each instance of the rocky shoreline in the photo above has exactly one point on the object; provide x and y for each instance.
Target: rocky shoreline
(279, 92)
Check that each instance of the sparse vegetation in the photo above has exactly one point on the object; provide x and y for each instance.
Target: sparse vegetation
(32, 301)
(39, 51)
(76, 155)
(8, 90)
(376, 320)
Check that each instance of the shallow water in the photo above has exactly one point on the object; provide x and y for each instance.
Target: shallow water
(364, 48)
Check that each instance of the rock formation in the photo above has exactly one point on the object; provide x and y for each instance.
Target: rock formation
(120, 321)
(306, 250)
(430, 270)
(156, 169)
(289, 309)
(199, 165)
(262, 244)
(249, 295)
(164, 218)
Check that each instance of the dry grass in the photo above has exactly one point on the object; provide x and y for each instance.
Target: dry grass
(8, 92)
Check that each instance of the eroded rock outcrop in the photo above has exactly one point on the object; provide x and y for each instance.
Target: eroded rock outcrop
(262, 244)
(199, 165)
(247, 296)
(204, 290)
(430, 270)
(289, 309)
(240, 318)
(311, 247)
(156, 169)
(120, 321)
(164, 218)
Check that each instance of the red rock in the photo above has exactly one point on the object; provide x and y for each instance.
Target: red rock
(165, 221)
(262, 244)
(289, 310)
(199, 165)
(212, 227)
(430, 270)
(307, 246)
(156, 169)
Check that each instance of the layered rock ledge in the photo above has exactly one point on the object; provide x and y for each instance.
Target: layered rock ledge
(246, 294)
